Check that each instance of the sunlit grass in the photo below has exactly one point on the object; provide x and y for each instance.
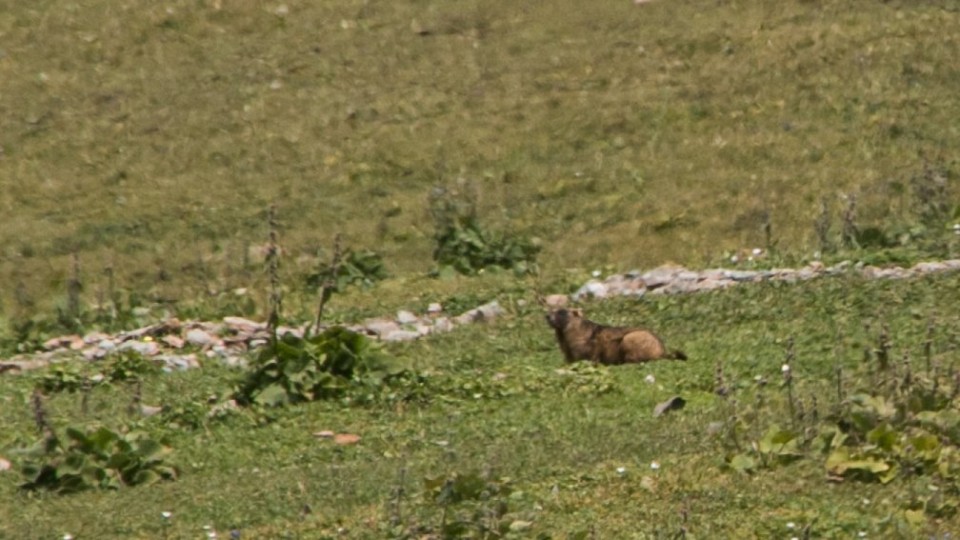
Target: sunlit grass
(149, 138)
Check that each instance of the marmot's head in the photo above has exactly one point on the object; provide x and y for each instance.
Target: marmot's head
(560, 318)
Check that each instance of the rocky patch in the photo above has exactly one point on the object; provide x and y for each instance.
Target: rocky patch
(229, 340)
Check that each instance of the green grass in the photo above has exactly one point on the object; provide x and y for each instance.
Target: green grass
(151, 139)
(559, 446)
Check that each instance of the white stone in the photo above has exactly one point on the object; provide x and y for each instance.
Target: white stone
(198, 337)
(400, 335)
(178, 362)
(406, 317)
(591, 289)
(423, 329)
(146, 348)
(556, 300)
(442, 324)
(244, 324)
(381, 327)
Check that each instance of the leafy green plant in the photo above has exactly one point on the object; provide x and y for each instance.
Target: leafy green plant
(97, 458)
(467, 248)
(470, 505)
(778, 446)
(128, 366)
(462, 245)
(889, 423)
(63, 377)
(322, 366)
(363, 268)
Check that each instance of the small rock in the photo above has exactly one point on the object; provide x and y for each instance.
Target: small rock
(173, 362)
(400, 335)
(442, 324)
(434, 308)
(927, 267)
(345, 439)
(381, 327)
(325, 434)
(591, 289)
(710, 284)
(145, 348)
(648, 484)
(106, 345)
(740, 275)
(406, 317)
(484, 313)
(173, 341)
(284, 330)
(4, 465)
(95, 337)
(490, 311)
(244, 324)
(662, 275)
(556, 300)
(52, 343)
(147, 410)
(234, 361)
(198, 337)
(672, 404)
(677, 287)
(229, 405)
(520, 526)
(423, 329)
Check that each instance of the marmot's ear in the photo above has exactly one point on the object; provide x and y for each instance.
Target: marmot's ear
(576, 312)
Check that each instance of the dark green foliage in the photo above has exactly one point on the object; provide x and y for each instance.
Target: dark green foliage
(471, 505)
(29, 334)
(123, 366)
(467, 248)
(322, 366)
(362, 268)
(923, 227)
(462, 245)
(64, 377)
(889, 423)
(905, 426)
(128, 366)
(95, 459)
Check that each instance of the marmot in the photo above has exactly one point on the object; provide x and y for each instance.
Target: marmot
(581, 339)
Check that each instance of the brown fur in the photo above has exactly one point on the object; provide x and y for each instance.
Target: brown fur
(581, 339)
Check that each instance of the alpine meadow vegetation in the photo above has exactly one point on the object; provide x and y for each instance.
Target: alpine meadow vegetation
(313, 165)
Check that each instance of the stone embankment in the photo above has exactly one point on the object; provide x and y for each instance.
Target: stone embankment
(179, 345)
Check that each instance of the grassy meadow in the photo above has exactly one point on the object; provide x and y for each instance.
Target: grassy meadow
(143, 144)
(576, 448)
